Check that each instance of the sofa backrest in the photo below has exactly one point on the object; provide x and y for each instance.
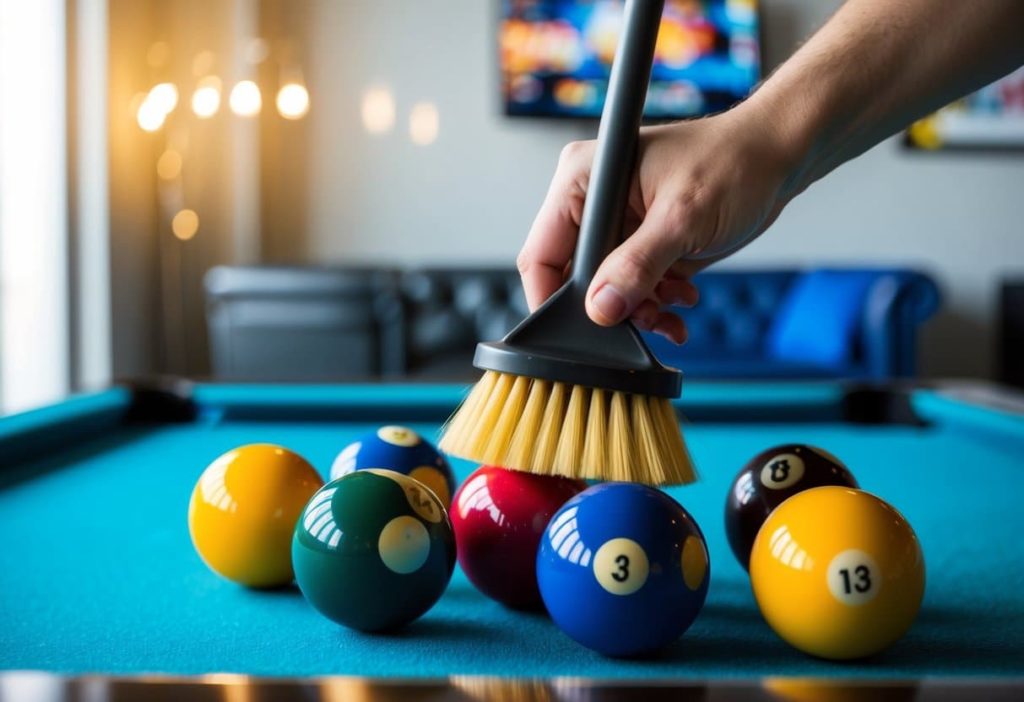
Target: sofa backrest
(296, 323)
(733, 317)
(449, 310)
(336, 323)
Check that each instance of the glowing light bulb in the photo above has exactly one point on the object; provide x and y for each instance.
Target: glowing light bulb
(206, 98)
(185, 224)
(293, 101)
(424, 123)
(245, 99)
(168, 166)
(164, 96)
(378, 110)
(150, 117)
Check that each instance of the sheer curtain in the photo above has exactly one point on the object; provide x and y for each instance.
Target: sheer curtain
(34, 305)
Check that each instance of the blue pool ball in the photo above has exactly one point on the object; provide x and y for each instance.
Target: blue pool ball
(623, 569)
(402, 450)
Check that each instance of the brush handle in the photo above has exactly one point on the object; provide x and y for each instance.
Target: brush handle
(612, 171)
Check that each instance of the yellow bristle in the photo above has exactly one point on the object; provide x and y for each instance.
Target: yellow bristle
(678, 465)
(460, 426)
(558, 429)
(647, 465)
(520, 451)
(570, 443)
(487, 418)
(594, 461)
(511, 411)
(543, 459)
(620, 438)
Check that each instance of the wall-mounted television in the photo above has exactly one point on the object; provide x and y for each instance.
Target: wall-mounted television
(556, 56)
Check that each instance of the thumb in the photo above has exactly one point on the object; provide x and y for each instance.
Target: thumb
(630, 273)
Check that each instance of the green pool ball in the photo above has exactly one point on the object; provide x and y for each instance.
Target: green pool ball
(373, 550)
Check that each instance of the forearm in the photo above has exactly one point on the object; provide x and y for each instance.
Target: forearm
(876, 66)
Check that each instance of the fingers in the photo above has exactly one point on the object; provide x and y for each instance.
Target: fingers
(630, 274)
(670, 326)
(676, 291)
(551, 242)
(648, 316)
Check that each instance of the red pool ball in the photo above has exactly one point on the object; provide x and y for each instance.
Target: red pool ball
(499, 517)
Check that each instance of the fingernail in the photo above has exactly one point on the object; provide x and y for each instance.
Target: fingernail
(610, 303)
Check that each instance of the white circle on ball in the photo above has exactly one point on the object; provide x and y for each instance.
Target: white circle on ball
(421, 498)
(398, 436)
(854, 577)
(782, 471)
(345, 463)
(404, 545)
(621, 566)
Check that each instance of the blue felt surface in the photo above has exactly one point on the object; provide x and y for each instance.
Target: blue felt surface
(97, 573)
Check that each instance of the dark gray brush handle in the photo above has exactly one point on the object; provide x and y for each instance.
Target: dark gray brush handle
(608, 191)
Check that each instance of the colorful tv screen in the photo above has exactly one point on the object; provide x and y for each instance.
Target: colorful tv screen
(556, 56)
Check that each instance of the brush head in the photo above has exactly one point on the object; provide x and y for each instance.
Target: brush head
(563, 396)
(569, 430)
(558, 342)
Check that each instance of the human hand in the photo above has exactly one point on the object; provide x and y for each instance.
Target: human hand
(701, 191)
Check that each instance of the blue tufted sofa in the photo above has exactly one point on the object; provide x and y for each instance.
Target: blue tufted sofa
(424, 323)
(823, 323)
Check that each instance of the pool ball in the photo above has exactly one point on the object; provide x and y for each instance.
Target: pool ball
(243, 511)
(623, 569)
(499, 516)
(837, 572)
(402, 450)
(373, 550)
(767, 480)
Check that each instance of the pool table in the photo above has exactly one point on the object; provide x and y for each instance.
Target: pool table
(103, 597)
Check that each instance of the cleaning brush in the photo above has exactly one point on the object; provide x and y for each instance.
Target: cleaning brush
(560, 394)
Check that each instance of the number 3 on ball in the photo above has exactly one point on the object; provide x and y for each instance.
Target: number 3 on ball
(621, 566)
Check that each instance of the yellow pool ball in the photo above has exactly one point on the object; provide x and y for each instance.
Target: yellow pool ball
(837, 572)
(244, 509)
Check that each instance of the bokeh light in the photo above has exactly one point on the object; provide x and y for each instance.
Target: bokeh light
(168, 166)
(246, 100)
(293, 101)
(424, 123)
(164, 96)
(206, 98)
(378, 110)
(256, 50)
(185, 224)
(149, 116)
(203, 63)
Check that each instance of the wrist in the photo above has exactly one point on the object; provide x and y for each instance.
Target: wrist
(793, 125)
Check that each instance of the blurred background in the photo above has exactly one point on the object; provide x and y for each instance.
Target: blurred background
(337, 189)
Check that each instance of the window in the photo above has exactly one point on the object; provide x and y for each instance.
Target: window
(34, 329)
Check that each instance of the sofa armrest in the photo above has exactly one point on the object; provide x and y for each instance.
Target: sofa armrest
(896, 306)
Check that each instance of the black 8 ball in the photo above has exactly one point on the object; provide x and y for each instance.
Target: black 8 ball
(767, 480)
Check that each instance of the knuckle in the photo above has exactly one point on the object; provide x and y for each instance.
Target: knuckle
(677, 215)
(638, 266)
(573, 153)
(523, 262)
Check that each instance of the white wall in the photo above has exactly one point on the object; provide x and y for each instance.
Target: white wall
(470, 196)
